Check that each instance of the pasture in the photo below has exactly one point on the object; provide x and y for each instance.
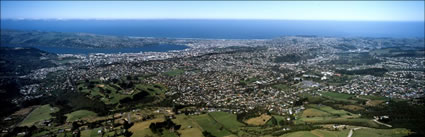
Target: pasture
(189, 127)
(312, 112)
(79, 114)
(257, 121)
(321, 114)
(317, 133)
(339, 96)
(39, 114)
(369, 132)
(174, 72)
(210, 125)
(141, 129)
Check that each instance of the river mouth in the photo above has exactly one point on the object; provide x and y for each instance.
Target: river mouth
(150, 48)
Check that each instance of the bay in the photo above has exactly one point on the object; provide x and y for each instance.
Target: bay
(224, 29)
(150, 48)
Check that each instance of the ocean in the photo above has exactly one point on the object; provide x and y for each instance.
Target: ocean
(224, 29)
(212, 29)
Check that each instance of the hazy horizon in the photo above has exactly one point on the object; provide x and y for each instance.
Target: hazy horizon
(111, 19)
(223, 29)
(216, 10)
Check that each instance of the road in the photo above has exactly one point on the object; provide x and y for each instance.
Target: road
(387, 125)
(352, 131)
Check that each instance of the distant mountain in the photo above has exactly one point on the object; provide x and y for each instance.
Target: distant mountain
(70, 40)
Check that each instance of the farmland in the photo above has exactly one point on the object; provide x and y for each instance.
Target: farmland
(260, 120)
(142, 128)
(76, 115)
(189, 127)
(39, 114)
(174, 72)
(331, 114)
(212, 126)
(368, 132)
(317, 133)
(120, 90)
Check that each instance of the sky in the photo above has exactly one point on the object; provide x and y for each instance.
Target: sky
(277, 10)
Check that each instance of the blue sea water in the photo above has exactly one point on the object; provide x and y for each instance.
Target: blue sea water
(223, 29)
(213, 29)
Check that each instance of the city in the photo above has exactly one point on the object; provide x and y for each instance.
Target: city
(212, 68)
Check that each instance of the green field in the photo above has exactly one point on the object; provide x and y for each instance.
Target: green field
(283, 87)
(331, 111)
(143, 132)
(321, 114)
(113, 92)
(39, 114)
(86, 133)
(153, 89)
(210, 125)
(317, 133)
(338, 96)
(189, 127)
(167, 133)
(142, 129)
(107, 93)
(373, 97)
(90, 133)
(229, 121)
(368, 132)
(65, 134)
(174, 72)
(312, 112)
(260, 120)
(217, 123)
(299, 134)
(43, 133)
(248, 81)
(76, 115)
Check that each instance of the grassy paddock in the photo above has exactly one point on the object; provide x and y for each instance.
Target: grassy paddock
(228, 120)
(174, 72)
(312, 112)
(39, 114)
(210, 125)
(339, 96)
(142, 129)
(76, 115)
(369, 132)
(317, 133)
(260, 120)
(189, 128)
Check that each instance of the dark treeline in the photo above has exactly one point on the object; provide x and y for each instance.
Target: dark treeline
(159, 127)
(250, 114)
(8, 91)
(369, 71)
(141, 97)
(291, 58)
(401, 115)
(21, 61)
(355, 59)
(72, 101)
(345, 47)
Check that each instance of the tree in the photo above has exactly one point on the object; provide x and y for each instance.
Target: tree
(127, 125)
(127, 133)
(273, 120)
(75, 125)
(207, 134)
